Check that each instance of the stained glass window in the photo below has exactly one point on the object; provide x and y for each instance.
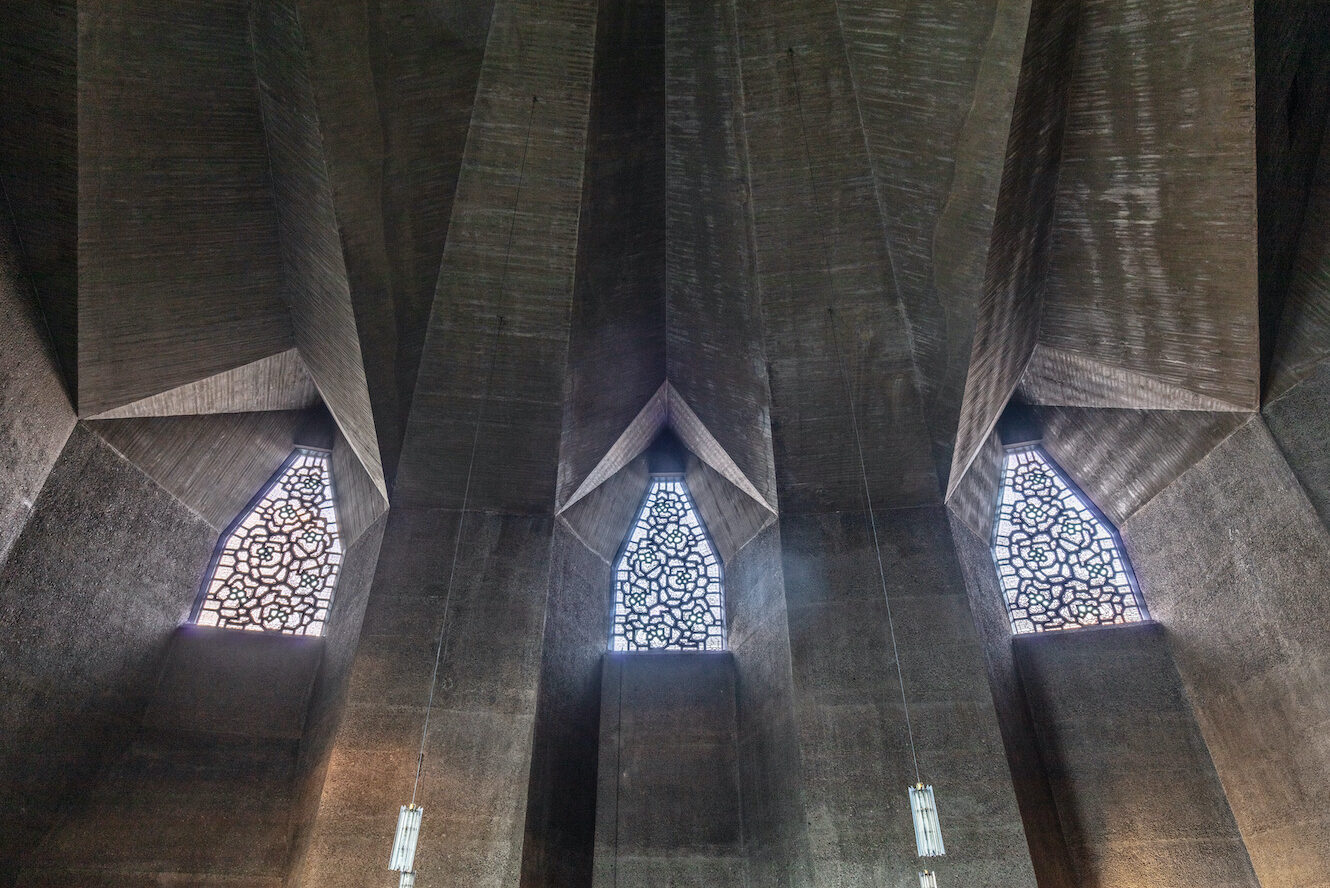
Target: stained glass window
(1060, 561)
(276, 566)
(667, 583)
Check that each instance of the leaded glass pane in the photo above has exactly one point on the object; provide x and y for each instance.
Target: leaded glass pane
(276, 567)
(667, 582)
(1060, 563)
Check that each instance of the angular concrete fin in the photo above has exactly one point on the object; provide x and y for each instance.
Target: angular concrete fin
(666, 407)
(1058, 377)
(323, 318)
(213, 464)
(277, 382)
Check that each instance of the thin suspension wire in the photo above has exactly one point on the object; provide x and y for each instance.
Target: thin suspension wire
(441, 642)
(877, 547)
(854, 417)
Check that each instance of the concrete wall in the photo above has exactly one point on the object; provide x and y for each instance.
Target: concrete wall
(329, 691)
(856, 757)
(770, 763)
(668, 808)
(313, 268)
(203, 793)
(105, 571)
(1292, 109)
(180, 272)
(478, 752)
(207, 785)
(39, 159)
(35, 414)
(559, 842)
(1133, 783)
(1234, 560)
(1043, 830)
(1299, 420)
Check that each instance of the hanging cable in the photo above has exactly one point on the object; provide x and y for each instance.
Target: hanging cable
(877, 547)
(409, 819)
(923, 808)
(441, 645)
(843, 368)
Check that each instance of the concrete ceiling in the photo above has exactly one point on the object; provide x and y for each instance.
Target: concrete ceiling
(806, 218)
(179, 262)
(39, 159)
(1151, 299)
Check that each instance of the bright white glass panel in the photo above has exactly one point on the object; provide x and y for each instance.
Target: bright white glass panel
(927, 827)
(276, 567)
(404, 841)
(668, 592)
(1059, 563)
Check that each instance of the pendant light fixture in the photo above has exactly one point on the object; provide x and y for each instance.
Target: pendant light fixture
(923, 808)
(404, 844)
(409, 818)
(927, 829)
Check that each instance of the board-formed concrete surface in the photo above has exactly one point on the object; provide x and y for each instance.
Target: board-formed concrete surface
(495, 252)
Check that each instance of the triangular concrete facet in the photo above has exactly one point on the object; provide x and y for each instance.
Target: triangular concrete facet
(666, 408)
(278, 382)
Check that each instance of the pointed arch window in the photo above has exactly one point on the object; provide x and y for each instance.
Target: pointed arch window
(668, 589)
(276, 566)
(1060, 560)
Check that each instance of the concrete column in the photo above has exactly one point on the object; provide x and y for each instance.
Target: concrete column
(856, 757)
(668, 801)
(770, 766)
(204, 792)
(1135, 790)
(478, 749)
(1234, 560)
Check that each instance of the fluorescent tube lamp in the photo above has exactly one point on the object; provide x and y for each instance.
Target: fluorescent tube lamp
(928, 879)
(408, 880)
(927, 829)
(404, 844)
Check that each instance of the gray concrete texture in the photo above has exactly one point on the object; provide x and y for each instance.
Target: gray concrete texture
(511, 255)
(499, 228)
(1299, 420)
(770, 761)
(558, 847)
(1131, 778)
(1146, 168)
(395, 85)
(218, 749)
(106, 569)
(1236, 536)
(817, 233)
(668, 808)
(1006, 317)
(35, 414)
(848, 703)
(325, 706)
(1292, 109)
(212, 464)
(39, 166)
(478, 751)
(313, 269)
(1043, 830)
(665, 288)
(180, 272)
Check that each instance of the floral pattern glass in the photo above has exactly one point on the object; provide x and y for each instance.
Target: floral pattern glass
(1060, 563)
(667, 582)
(276, 567)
